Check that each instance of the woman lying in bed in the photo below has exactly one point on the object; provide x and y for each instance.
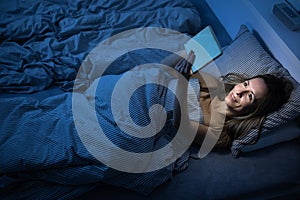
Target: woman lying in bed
(244, 106)
(47, 127)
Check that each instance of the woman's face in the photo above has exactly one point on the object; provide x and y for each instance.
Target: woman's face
(244, 96)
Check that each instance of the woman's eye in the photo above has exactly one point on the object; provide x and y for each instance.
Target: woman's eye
(245, 84)
(250, 97)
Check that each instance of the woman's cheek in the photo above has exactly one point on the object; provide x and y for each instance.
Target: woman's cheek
(229, 102)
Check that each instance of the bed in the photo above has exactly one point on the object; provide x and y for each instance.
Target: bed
(50, 68)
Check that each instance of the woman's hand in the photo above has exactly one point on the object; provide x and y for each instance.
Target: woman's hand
(184, 65)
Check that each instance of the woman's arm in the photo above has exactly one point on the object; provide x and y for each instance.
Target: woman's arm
(174, 58)
(216, 108)
(181, 111)
(183, 67)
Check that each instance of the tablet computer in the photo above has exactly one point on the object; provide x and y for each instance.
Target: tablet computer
(206, 48)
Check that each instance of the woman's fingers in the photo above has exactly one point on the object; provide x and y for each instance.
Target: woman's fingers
(185, 64)
(191, 57)
(190, 61)
(181, 64)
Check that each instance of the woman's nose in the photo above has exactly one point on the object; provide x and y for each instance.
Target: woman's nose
(240, 93)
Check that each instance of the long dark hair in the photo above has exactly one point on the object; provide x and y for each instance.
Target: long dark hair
(279, 90)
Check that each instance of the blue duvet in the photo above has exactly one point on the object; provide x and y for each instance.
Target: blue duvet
(43, 44)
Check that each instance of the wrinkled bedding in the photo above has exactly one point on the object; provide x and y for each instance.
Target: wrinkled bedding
(39, 140)
(43, 44)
